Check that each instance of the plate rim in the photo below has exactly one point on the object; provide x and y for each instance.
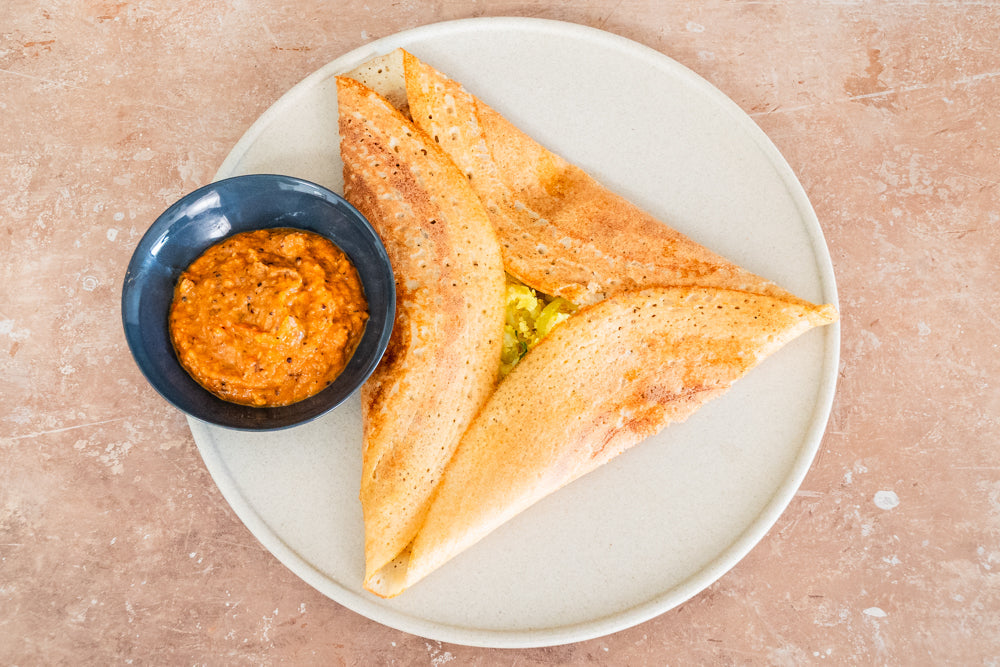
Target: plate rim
(712, 571)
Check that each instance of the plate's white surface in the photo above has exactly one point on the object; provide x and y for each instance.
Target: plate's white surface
(666, 519)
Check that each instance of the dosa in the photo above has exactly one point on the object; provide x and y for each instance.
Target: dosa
(441, 363)
(668, 325)
(602, 381)
(560, 230)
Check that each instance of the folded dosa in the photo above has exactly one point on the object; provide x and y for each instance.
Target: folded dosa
(668, 325)
(441, 363)
(605, 379)
(561, 231)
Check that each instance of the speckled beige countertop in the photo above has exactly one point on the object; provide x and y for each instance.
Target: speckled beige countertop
(115, 544)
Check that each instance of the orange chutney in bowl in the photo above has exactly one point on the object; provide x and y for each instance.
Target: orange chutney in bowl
(269, 317)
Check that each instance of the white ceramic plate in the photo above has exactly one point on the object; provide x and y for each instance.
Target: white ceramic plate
(663, 521)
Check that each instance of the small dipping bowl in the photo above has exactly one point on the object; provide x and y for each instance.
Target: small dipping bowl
(203, 218)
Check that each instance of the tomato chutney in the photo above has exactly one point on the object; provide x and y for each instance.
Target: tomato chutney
(269, 317)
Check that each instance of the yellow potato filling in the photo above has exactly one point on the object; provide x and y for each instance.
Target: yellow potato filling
(531, 316)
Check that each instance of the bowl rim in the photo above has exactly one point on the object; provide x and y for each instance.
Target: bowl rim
(140, 266)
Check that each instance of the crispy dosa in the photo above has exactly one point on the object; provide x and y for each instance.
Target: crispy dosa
(443, 357)
(561, 231)
(668, 325)
(605, 379)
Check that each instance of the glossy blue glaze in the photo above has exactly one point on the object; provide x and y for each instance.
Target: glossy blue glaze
(204, 217)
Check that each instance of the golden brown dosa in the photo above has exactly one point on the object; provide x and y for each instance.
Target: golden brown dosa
(442, 360)
(561, 231)
(610, 376)
(670, 324)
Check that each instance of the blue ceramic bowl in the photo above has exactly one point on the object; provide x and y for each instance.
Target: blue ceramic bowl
(203, 218)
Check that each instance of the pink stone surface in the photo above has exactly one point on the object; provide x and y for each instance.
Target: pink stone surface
(115, 545)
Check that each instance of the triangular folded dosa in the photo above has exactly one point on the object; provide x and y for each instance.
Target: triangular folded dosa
(442, 360)
(561, 231)
(670, 326)
(605, 379)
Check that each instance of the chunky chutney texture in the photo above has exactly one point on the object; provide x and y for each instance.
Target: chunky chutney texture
(268, 317)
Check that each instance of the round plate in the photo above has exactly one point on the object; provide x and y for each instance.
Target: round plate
(664, 520)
